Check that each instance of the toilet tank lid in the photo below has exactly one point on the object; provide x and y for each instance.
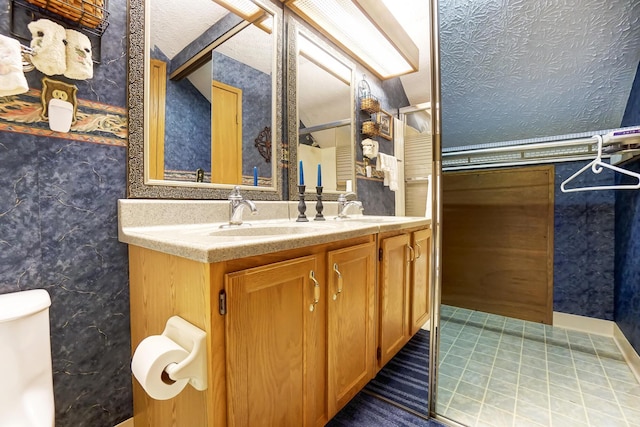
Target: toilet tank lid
(24, 303)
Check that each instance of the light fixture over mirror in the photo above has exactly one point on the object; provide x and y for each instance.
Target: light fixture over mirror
(197, 54)
(366, 29)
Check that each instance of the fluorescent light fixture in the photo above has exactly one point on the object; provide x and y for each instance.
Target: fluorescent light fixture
(250, 12)
(364, 28)
(323, 59)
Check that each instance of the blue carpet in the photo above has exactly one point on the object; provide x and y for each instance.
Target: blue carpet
(368, 411)
(405, 378)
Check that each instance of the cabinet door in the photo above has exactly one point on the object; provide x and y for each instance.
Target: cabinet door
(351, 319)
(394, 296)
(271, 326)
(420, 298)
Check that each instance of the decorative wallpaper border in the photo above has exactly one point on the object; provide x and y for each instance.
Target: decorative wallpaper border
(96, 123)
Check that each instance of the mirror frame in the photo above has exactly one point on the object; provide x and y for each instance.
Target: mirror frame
(138, 186)
(294, 27)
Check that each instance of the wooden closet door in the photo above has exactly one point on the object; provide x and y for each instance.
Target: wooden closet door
(497, 247)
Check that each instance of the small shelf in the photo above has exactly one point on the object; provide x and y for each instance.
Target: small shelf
(370, 128)
(370, 104)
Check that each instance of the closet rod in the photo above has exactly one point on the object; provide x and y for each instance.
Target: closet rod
(522, 147)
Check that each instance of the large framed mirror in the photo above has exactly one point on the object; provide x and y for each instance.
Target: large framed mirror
(321, 111)
(206, 87)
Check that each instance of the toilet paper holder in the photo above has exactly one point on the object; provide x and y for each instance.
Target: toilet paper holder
(192, 339)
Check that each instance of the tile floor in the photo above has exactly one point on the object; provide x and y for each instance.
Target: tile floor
(503, 372)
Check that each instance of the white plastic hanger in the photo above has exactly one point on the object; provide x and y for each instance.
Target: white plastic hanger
(597, 165)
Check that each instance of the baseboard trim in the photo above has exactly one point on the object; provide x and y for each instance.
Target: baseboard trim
(126, 423)
(583, 324)
(628, 352)
(601, 327)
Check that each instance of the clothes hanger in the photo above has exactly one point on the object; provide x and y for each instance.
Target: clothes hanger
(597, 166)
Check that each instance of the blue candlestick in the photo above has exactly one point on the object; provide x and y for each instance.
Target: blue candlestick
(319, 184)
(255, 176)
(301, 173)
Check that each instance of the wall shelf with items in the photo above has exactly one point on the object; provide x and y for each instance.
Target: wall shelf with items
(370, 107)
(370, 128)
(370, 104)
(89, 17)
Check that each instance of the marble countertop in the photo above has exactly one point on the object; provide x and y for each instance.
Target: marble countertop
(176, 228)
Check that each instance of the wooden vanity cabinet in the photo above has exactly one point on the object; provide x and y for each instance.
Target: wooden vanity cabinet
(403, 294)
(272, 332)
(351, 320)
(420, 279)
(393, 297)
(273, 360)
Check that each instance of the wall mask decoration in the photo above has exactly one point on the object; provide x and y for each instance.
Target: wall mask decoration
(78, 56)
(48, 42)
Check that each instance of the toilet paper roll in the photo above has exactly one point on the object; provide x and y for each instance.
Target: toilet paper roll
(150, 359)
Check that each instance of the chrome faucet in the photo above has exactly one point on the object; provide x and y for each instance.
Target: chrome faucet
(236, 206)
(343, 204)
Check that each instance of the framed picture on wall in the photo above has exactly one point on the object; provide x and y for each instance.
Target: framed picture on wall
(385, 120)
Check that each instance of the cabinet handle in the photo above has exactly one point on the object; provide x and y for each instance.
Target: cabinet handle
(316, 291)
(412, 254)
(335, 268)
(418, 250)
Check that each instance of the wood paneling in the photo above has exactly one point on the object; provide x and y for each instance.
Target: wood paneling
(497, 249)
(165, 286)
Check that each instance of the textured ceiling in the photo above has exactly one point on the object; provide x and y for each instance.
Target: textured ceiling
(516, 69)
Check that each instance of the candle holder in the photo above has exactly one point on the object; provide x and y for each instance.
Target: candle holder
(319, 206)
(302, 207)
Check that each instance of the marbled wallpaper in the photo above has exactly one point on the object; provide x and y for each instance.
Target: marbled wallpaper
(627, 276)
(584, 240)
(514, 69)
(58, 231)
(627, 273)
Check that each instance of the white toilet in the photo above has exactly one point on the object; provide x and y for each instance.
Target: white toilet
(26, 388)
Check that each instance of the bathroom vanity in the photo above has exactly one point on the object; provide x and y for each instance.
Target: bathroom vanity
(299, 316)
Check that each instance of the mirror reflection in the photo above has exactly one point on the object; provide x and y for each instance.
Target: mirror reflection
(325, 112)
(211, 95)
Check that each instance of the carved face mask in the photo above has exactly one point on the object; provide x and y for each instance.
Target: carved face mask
(48, 44)
(79, 62)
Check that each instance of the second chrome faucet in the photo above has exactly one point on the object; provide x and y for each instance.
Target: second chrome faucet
(344, 204)
(236, 206)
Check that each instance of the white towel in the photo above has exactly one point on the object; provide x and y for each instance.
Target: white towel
(48, 44)
(12, 79)
(389, 165)
(79, 61)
